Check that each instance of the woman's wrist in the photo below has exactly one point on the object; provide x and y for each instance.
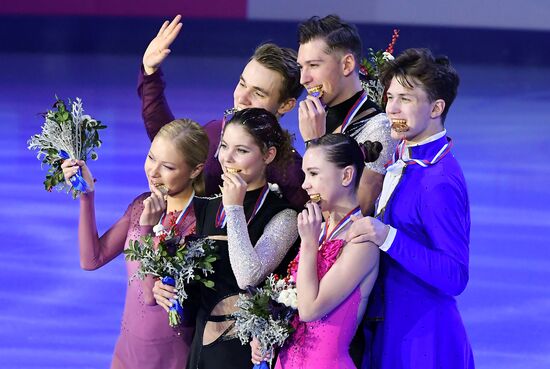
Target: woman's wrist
(308, 246)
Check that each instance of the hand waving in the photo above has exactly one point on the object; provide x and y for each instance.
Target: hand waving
(158, 48)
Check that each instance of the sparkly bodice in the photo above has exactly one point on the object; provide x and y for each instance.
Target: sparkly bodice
(323, 343)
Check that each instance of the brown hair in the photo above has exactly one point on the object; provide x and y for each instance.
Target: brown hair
(418, 67)
(192, 142)
(267, 132)
(342, 150)
(283, 61)
(337, 34)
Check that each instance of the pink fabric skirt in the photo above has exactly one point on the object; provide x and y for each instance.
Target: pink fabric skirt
(132, 352)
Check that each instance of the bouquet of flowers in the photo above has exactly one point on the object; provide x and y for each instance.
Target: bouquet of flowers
(66, 135)
(177, 260)
(267, 313)
(370, 70)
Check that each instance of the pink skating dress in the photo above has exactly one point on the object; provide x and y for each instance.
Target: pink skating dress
(324, 343)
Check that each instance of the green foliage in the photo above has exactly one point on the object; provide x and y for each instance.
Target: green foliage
(70, 131)
(191, 261)
(262, 315)
(371, 67)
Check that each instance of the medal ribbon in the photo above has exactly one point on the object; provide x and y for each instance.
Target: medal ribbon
(186, 210)
(353, 111)
(339, 227)
(221, 220)
(398, 154)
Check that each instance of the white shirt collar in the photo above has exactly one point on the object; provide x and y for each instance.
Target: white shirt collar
(432, 138)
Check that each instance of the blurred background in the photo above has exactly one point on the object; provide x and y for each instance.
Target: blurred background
(54, 315)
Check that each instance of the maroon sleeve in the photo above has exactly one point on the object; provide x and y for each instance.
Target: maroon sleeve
(290, 181)
(94, 251)
(212, 168)
(154, 107)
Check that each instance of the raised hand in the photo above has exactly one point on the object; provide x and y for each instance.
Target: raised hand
(309, 225)
(70, 168)
(158, 48)
(312, 118)
(233, 190)
(153, 208)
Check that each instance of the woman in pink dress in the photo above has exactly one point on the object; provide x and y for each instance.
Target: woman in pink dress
(173, 168)
(333, 278)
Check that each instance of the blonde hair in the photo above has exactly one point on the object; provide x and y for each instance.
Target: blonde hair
(192, 142)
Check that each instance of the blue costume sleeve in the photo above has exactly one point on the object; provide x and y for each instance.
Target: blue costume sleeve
(440, 255)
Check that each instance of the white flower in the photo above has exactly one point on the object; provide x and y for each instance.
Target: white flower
(387, 56)
(158, 230)
(293, 297)
(274, 187)
(289, 298)
(283, 297)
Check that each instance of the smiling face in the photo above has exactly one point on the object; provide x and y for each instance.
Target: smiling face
(240, 152)
(413, 116)
(258, 87)
(318, 68)
(166, 166)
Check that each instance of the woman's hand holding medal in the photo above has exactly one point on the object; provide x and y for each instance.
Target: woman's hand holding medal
(153, 206)
(234, 188)
(309, 225)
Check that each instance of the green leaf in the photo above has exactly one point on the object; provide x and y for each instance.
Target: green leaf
(208, 283)
(210, 259)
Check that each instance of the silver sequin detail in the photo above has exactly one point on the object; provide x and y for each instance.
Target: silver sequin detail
(252, 264)
(378, 128)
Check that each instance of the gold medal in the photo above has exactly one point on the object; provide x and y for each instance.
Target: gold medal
(316, 91)
(399, 125)
(315, 197)
(233, 170)
(162, 188)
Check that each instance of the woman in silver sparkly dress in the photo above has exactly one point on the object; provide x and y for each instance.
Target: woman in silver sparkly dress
(253, 227)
